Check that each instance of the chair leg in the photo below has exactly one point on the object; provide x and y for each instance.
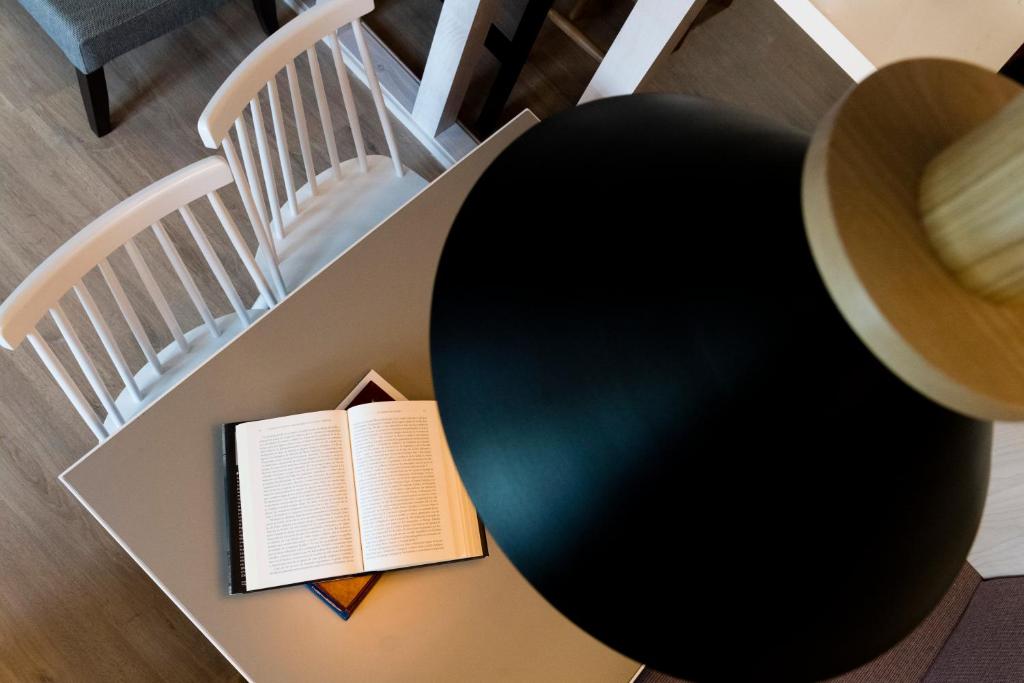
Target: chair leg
(266, 12)
(512, 63)
(94, 96)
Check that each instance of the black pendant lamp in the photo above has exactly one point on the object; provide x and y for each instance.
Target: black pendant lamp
(696, 422)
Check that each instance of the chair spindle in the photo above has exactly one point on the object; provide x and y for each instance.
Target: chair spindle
(269, 180)
(92, 311)
(67, 385)
(378, 97)
(155, 294)
(325, 111)
(85, 363)
(185, 278)
(300, 125)
(346, 95)
(212, 260)
(262, 236)
(129, 314)
(282, 145)
(246, 257)
(251, 177)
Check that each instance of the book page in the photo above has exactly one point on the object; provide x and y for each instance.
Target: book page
(405, 506)
(299, 513)
(465, 519)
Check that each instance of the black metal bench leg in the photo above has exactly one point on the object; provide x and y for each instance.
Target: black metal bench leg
(94, 96)
(266, 12)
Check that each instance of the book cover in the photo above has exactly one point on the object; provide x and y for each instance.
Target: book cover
(344, 595)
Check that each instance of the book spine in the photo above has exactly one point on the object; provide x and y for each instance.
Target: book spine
(232, 486)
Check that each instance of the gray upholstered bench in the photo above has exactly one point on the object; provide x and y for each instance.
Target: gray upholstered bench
(92, 33)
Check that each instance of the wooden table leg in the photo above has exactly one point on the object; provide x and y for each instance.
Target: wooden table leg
(458, 41)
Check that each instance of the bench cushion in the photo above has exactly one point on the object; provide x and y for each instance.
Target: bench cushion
(92, 33)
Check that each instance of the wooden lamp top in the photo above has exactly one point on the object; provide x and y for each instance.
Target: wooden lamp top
(913, 199)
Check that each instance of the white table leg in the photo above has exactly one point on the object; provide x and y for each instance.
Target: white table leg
(457, 43)
(652, 29)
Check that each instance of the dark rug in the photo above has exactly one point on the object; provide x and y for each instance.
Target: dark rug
(988, 643)
(910, 659)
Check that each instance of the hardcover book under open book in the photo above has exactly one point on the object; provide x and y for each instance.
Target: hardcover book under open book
(344, 492)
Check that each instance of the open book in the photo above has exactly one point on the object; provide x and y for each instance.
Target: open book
(343, 492)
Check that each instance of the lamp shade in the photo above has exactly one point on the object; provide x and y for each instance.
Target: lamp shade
(664, 419)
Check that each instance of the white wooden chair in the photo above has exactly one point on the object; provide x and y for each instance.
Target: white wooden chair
(337, 205)
(65, 269)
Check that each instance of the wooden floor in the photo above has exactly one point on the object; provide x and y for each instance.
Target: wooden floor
(73, 605)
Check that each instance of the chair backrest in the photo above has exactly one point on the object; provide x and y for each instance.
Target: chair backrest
(258, 72)
(65, 269)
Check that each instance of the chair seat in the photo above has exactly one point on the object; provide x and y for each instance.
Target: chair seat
(92, 33)
(339, 215)
(178, 365)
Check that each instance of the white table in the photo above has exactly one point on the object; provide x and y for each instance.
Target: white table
(157, 485)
